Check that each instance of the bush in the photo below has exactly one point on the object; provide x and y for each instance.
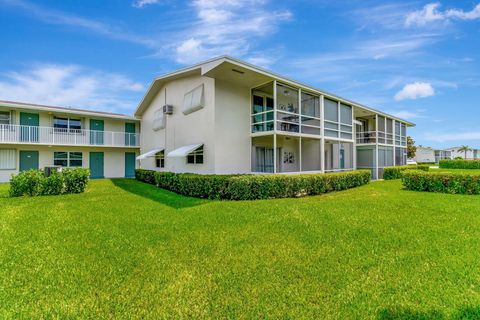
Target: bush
(76, 179)
(26, 183)
(455, 183)
(251, 187)
(54, 184)
(392, 173)
(459, 164)
(35, 183)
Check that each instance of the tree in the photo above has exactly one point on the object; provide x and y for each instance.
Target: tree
(411, 149)
(464, 149)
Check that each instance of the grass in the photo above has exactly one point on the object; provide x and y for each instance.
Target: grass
(463, 171)
(125, 249)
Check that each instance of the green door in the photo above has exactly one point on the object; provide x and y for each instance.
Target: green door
(96, 165)
(130, 138)
(30, 121)
(342, 159)
(96, 132)
(28, 160)
(129, 164)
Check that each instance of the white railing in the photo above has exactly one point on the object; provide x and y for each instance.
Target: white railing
(61, 136)
(366, 137)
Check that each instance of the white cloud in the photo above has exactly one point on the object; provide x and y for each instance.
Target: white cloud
(66, 19)
(71, 85)
(225, 27)
(462, 136)
(405, 114)
(431, 13)
(414, 91)
(143, 3)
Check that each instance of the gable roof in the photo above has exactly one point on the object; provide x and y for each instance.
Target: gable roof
(204, 67)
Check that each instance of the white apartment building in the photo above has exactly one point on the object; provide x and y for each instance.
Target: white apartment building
(227, 116)
(36, 136)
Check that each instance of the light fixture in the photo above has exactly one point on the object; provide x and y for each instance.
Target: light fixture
(238, 71)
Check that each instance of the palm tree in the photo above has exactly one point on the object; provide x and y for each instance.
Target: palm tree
(465, 149)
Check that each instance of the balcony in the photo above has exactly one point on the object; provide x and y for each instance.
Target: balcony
(372, 137)
(19, 134)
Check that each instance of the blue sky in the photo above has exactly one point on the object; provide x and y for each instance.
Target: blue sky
(419, 60)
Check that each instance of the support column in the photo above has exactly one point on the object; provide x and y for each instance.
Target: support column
(274, 153)
(376, 146)
(322, 134)
(300, 153)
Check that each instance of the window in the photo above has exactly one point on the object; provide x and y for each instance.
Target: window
(310, 105)
(158, 120)
(262, 113)
(4, 117)
(331, 110)
(68, 159)
(195, 157)
(160, 159)
(345, 114)
(67, 124)
(193, 100)
(8, 159)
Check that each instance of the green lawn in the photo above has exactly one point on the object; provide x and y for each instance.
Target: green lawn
(467, 171)
(128, 250)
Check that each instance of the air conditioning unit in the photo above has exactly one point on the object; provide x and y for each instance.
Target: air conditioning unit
(50, 169)
(168, 109)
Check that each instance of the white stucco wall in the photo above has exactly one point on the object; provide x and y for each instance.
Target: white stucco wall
(180, 129)
(232, 128)
(114, 158)
(424, 155)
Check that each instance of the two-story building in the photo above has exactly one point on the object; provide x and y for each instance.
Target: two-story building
(221, 116)
(37, 136)
(227, 116)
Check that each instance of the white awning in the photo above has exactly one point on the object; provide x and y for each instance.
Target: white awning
(150, 153)
(184, 151)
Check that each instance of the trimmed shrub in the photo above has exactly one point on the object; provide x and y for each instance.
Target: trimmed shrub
(445, 182)
(27, 182)
(76, 179)
(392, 173)
(35, 183)
(54, 184)
(147, 176)
(251, 187)
(459, 164)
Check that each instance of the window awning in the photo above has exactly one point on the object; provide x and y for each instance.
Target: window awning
(150, 153)
(184, 151)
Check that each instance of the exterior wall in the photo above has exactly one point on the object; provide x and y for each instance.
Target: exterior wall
(232, 128)
(114, 158)
(425, 155)
(180, 129)
(470, 154)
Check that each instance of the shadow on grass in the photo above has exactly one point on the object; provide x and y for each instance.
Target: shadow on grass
(465, 313)
(151, 192)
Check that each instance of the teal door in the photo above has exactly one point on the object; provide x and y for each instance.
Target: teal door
(96, 132)
(129, 164)
(130, 138)
(28, 160)
(342, 159)
(29, 133)
(96, 165)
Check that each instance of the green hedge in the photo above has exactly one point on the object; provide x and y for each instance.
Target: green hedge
(392, 173)
(35, 183)
(445, 182)
(251, 187)
(459, 164)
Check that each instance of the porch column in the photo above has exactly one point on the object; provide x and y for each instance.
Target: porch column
(376, 146)
(300, 153)
(322, 134)
(274, 153)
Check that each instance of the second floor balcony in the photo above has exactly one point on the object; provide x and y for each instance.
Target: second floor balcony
(373, 137)
(21, 134)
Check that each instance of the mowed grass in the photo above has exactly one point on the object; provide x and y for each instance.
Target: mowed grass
(125, 249)
(462, 171)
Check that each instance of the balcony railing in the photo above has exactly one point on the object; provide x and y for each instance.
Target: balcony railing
(62, 136)
(367, 137)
